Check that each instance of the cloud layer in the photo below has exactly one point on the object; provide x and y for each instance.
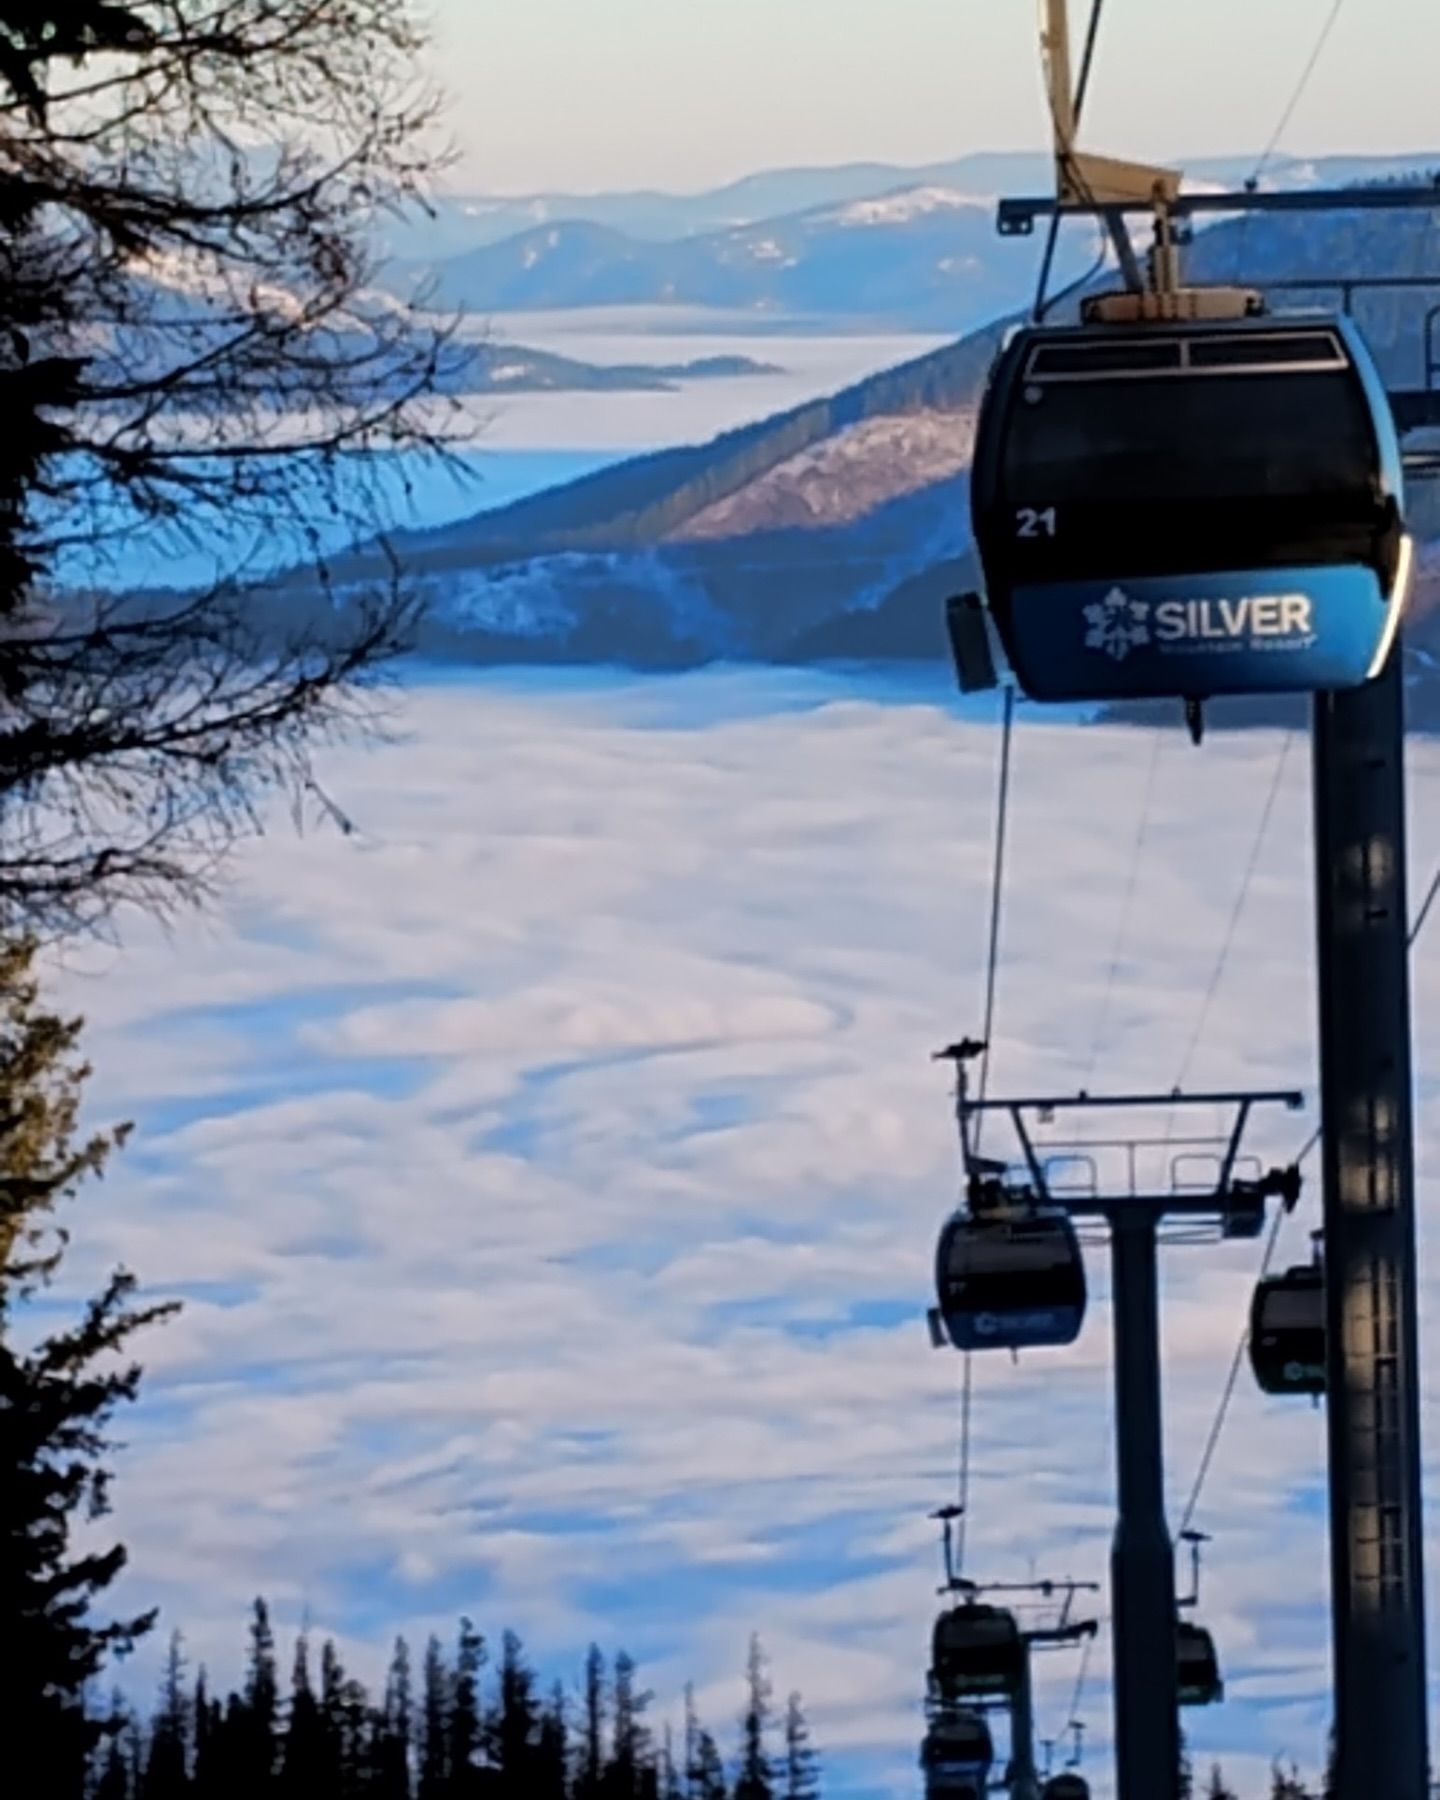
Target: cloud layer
(552, 1170)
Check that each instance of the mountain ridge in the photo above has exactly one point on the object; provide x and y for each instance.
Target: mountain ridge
(466, 220)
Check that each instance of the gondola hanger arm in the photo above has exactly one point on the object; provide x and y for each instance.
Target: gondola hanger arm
(1082, 179)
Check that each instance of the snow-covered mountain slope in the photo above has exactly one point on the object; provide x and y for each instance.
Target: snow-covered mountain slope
(845, 477)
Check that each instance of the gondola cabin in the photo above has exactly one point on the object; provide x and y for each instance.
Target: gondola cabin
(1066, 1786)
(1197, 1666)
(957, 1755)
(1287, 1332)
(1190, 508)
(976, 1653)
(1009, 1280)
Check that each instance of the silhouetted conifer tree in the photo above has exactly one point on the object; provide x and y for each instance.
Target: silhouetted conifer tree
(670, 1784)
(709, 1782)
(207, 1733)
(392, 1771)
(466, 1719)
(114, 1779)
(332, 1710)
(1218, 1790)
(259, 1723)
(1289, 1786)
(358, 1741)
(802, 1764)
(59, 1390)
(592, 1740)
(133, 1739)
(515, 1728)
(704, 1767)
(167, 1767)
(434, 1725)
(552, 1756)
(690, 1748)
(754, 1779)
(630, 1773)
(306, 1766)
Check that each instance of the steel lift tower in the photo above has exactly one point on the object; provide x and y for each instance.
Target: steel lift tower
(1377, 1591)
(1136, 1184)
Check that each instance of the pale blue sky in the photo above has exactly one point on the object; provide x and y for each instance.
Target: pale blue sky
(591, 94)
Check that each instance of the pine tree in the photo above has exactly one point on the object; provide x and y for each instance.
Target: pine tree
(1217, 1789)
(670, 1786)
(114, 1778)
(332, 1712)
(58, 1395)
(709, 1778)
(232, 1751)
(466, 1723)
(207, 1730)
(258, 1748)
(592, 1743)
(802, 1764)
(167, 1768)
(1287, 1787)
(134, 1742)
(552, 1756)
(435, 1725)
(515, 1735)
(306, 1767)
(630, 1774)
(754, 1779)
(392, 1769)
(358, 1740)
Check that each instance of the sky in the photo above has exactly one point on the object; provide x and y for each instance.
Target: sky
(684, 94)
(551, 1171)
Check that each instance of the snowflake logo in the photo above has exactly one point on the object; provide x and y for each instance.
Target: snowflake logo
(1117, 624)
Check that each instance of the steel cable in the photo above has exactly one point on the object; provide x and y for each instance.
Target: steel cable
(1227, 1394)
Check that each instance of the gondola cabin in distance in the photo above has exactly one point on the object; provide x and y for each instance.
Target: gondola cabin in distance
(1190, 508)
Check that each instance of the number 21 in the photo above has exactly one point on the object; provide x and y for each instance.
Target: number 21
(1030, 522)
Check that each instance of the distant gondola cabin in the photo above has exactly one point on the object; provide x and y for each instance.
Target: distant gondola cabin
(1287, 1332)
(957, 1753)
(1010, 1280)
(976, 1653)
(1197, 1666)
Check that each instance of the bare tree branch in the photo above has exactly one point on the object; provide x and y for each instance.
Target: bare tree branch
(192, 348)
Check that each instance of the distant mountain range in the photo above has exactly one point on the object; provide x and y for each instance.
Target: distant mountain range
(921, 258)
(832, 531)
(468, 221)
(869, 242)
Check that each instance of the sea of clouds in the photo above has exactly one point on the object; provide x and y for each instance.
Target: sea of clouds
(551, 1170)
